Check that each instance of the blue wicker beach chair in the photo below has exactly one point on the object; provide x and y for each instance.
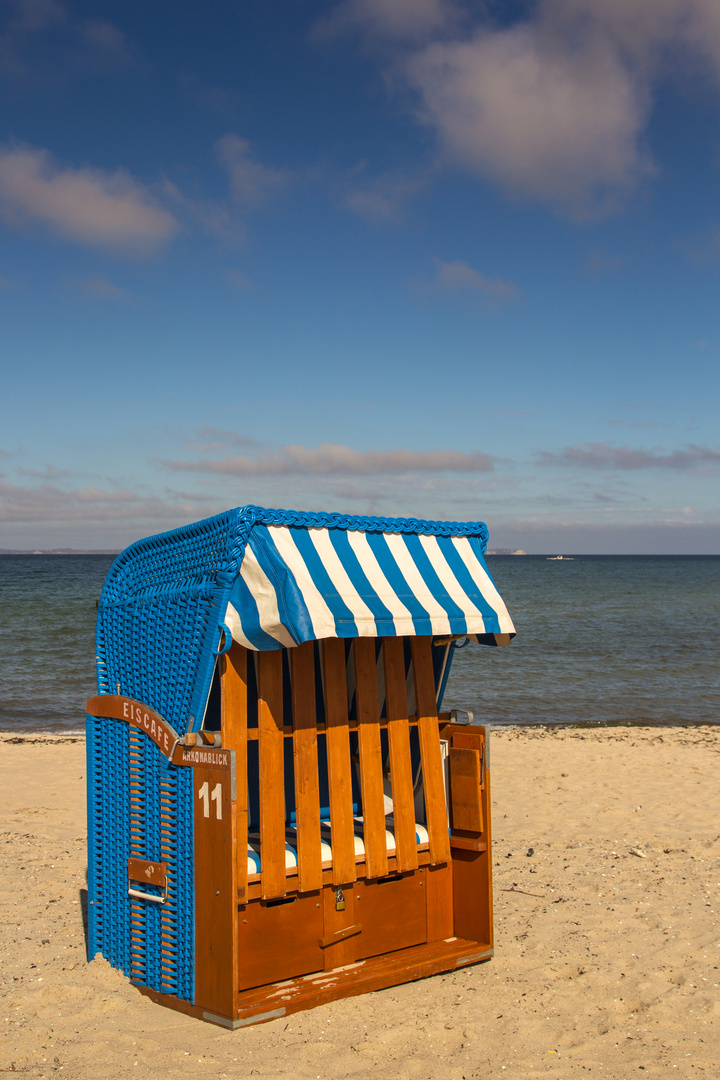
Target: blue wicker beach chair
(278, 812)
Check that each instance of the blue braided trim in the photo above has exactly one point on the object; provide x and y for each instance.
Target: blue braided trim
(248, 516)
(362, 523)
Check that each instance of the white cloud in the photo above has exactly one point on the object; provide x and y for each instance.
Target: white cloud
(212, 440)
(336, 459)
(600, 260)
(48, 473)
(553, 107)
(673, 537)
(48, 504)
(239, 280)
(34, 15)
(43, 42)
(394, 19)
(106, 42)
(99, 286)
(86, 205)
(634, 423)
(538, 121)
(213, 217)
(382, 198)
(458, 277)
(646, 34)
(606, 456)
(251, 182)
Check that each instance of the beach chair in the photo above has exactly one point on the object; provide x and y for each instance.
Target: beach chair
(278, 813)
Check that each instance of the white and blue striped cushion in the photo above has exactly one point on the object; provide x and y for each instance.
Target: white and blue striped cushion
(254, 845)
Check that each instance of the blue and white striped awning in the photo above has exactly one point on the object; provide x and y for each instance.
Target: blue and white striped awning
(302, 583)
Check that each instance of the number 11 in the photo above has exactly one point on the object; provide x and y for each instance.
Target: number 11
(216, 796)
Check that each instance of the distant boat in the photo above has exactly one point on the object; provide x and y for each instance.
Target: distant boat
(553, 558)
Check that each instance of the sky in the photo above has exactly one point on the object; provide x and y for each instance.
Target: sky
(425, 258)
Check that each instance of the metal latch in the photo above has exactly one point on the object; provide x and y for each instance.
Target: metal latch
(339, 899)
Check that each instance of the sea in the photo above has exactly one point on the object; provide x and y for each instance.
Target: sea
(601, 640)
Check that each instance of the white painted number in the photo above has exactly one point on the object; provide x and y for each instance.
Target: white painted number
(217, 799)
(205, 795)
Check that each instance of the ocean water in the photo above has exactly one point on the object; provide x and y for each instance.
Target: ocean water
(601, 640)
(47, 639)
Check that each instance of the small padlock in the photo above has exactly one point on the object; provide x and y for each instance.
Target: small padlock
(339, 899)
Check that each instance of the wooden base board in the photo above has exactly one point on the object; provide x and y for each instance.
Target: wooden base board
(294, 995)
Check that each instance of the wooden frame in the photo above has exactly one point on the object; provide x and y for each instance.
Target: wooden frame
(371, 899)
(357, 922)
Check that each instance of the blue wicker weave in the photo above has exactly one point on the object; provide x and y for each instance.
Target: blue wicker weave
(108, 841)
(158, 631)
(139, 805)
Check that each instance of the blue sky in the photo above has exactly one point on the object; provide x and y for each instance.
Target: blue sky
(405, 257)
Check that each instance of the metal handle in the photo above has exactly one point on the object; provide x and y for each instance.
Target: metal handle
(138, 895)
(145, 871)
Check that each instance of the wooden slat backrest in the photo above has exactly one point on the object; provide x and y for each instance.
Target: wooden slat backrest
(429, 733)
(271, 734)
(305, 759)
(370, 753)
(401, 777)
(234, 735)
(272, 774)
(338, 760)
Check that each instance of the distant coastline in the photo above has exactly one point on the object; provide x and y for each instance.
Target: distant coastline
(116, 551)
(60, 551)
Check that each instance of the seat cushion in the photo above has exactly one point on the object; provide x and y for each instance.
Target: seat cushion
(291, 860)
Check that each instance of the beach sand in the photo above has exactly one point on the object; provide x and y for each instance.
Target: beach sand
(607, 961)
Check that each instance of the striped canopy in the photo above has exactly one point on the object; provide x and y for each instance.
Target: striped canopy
(304, 582)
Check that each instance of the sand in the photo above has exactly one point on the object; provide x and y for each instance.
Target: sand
(607, 879)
